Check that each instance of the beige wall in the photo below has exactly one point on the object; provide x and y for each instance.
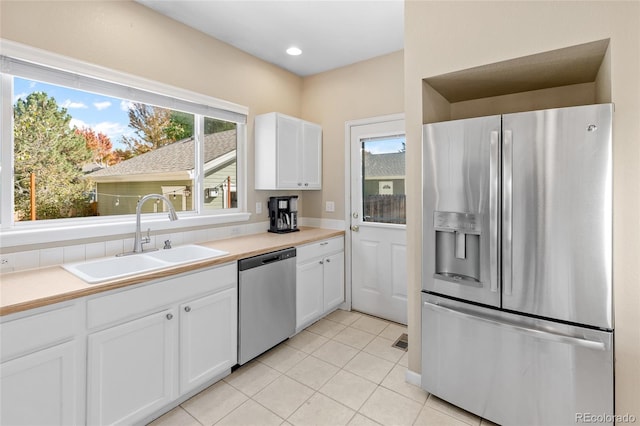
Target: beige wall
(443, 37)
(366, 89)
(128, 37)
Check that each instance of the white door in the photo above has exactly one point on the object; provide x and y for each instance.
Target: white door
(208, 337)
(378, 218)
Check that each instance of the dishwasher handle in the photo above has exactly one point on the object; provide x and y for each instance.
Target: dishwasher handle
(266, 259)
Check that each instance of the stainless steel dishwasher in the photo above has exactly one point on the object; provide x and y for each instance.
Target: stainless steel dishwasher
(266, 302)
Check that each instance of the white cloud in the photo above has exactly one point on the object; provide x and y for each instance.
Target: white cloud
(19, 96)
(126, 105)
(102, 105)
(77, 123)
(73, 105)
(32, 84)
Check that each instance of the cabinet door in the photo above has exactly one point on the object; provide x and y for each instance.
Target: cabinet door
(208, 337)
(131, 369)
(333, 281)
(40, 388)
(311, 156)
(289, 134)
(309, 299)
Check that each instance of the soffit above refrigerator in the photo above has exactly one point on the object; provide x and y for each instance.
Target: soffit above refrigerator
(556, 68)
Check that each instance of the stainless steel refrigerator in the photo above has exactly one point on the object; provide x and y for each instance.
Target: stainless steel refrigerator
(517, 312)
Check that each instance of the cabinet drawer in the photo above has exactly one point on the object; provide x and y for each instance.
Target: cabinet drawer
(319, 249)
(37, 331)
(158, 294)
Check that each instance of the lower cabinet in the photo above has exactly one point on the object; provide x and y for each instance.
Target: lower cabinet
(40, 388)
(319, 280)
(208, 341)
(42, 367)
(143, 363)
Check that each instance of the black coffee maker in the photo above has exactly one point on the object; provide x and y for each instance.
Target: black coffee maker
(283, 214)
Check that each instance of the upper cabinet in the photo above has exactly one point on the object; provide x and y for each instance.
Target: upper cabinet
(288, 153)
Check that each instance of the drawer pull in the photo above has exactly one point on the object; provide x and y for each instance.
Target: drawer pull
(169, 316)
(187, 308)
(325, 243)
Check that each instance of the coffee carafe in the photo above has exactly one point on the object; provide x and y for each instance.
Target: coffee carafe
(283, 214)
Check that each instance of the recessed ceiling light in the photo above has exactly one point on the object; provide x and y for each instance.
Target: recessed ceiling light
(294, 51)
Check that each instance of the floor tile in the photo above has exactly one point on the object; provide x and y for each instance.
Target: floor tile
(430, 417)
(326, 328)
(390, 408)
(382, 348)
(360, 420)
(312, 372)
(214, 403)
(453, 411)
(249, 414)
(252, 378)
(335, 353)
(343, 317)
(393, 331)
(282, 357)
(370, 367)
(349, 389)
(306, 341)
(370, 324)
(404, 361)
(321, 410)
(485, 422)
(175, 417)
(283, 396)
(354, 337)
(396, 382)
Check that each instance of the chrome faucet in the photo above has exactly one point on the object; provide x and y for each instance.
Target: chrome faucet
(139, 240)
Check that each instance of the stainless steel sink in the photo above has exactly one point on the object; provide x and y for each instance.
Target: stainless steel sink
(111, 268)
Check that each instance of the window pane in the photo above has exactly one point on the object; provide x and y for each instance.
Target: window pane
(383, 178)
(84, 154)
(220, 154)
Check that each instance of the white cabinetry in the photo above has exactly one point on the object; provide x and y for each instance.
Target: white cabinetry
(288, 153)
(41, 368)
(156, 342)
(319, 280)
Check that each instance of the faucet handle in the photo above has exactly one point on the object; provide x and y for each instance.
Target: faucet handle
(147, 239)
(167, 244)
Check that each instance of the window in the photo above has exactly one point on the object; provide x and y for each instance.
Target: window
(86, 149)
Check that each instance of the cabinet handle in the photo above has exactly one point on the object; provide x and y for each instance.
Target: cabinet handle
(325, 243)
(187, 308)
(299, 183)
(321, 262)
(169, 316)
(328, 260)
(306, 184)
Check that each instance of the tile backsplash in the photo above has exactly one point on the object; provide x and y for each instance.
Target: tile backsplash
(22, 260)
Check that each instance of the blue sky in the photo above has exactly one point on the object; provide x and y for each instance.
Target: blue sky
(384, 145)
(103, 114)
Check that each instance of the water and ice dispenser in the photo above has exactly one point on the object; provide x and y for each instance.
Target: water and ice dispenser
(457, 247)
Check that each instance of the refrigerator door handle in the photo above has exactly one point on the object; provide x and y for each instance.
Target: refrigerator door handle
(494, 164)
(507, 210)
(535, 333)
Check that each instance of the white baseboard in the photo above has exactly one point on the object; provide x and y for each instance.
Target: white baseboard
(413, 378)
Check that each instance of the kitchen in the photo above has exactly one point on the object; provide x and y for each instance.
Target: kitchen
(386, 85)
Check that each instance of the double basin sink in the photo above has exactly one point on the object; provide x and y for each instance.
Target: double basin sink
(111, 268)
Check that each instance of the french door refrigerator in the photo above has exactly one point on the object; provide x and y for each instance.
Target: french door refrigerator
(517, 313)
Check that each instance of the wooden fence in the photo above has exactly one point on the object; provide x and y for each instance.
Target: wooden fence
(385, 208)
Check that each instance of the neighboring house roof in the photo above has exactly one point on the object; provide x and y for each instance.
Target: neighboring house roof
(169, 162)
(379, 166)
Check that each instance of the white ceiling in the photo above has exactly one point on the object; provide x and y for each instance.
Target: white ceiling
(330, 33)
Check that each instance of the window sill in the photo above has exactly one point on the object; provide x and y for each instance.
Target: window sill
(79, 230)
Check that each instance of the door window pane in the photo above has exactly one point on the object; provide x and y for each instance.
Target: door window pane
(383, 180)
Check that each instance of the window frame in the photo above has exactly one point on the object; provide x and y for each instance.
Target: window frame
(48, 231)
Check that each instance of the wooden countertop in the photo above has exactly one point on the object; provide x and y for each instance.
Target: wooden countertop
(33, 288)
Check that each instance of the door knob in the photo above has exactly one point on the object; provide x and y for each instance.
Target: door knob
(355, 228)
(187, 309)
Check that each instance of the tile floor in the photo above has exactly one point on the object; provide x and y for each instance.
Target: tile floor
(341, 370)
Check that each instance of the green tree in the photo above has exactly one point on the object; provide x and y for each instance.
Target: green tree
(154, 127)
(47, 146)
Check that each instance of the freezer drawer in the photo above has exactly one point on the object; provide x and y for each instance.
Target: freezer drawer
(512, 369)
